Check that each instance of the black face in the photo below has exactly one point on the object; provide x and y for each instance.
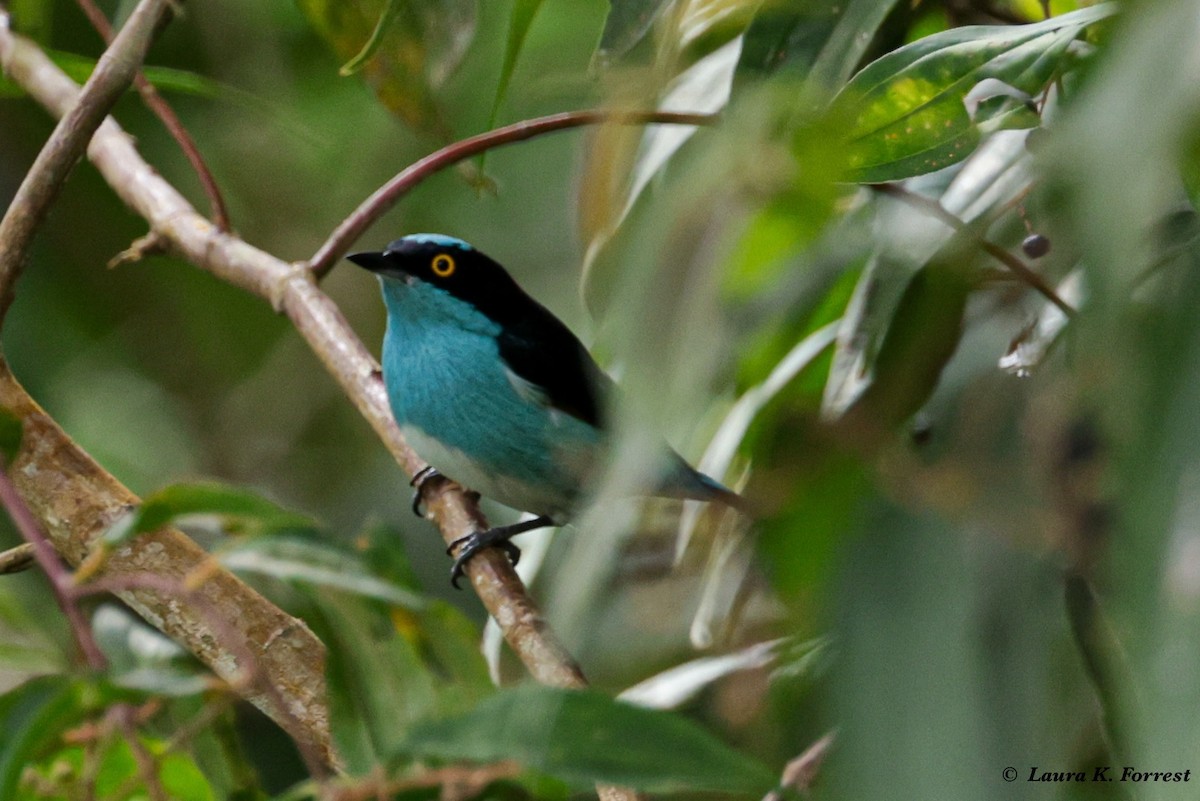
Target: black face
(453, 266)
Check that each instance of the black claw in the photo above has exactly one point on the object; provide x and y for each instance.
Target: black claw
(497, 537)
(475, 542)
(418, 481)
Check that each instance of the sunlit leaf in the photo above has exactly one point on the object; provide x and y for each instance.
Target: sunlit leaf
(142, 658)
(409, 48)
(908, 106)
(583, 737)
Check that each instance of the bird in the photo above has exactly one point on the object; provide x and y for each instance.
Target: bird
(494, 392)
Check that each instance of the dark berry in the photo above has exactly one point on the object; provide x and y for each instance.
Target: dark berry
(1035, 246)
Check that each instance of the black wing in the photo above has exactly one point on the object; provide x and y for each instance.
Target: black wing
(543, 352)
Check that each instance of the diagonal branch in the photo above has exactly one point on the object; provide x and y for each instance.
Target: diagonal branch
(387, 195)
(112, 76)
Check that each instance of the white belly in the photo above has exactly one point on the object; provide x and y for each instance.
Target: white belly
(540, 499)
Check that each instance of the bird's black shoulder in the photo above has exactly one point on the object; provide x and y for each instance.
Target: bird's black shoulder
(539, 349)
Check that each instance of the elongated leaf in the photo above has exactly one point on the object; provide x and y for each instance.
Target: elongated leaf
(378, 684)
(583, 737)
(523, 14)
(234, 505)
(675, 686)
(908, 109)
(921, 338)
(303, 561)
(32, 718)
(848, 42)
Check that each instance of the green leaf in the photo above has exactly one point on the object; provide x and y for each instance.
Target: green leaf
(405, 49)
(921, 338)
(235, 506)
(847, 43)
(316, 564)
(584, 737)
(908, 110)
(32, 718)
(378, 684)
(518, 27)
(452, 639)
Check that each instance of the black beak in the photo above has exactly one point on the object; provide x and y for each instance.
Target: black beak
(369, 260)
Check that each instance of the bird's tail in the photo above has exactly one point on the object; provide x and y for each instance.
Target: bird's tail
(685, 482)
(713, 490)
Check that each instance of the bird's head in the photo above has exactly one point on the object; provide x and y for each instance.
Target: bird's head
(434, 266)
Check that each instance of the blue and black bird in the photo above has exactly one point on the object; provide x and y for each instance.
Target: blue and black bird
(495, 392)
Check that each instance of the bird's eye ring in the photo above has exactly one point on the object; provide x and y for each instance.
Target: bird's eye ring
(442, 265)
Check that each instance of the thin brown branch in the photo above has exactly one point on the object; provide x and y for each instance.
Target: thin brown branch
(291, 289)
(18, 559)
(59, 576)
(1016, 266)
(166, 115)
(390, 193)
(41, 185)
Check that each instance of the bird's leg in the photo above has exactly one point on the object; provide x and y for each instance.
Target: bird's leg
(499, 536)
(418, 483)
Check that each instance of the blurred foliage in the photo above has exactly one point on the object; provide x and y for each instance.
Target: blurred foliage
(978, 545)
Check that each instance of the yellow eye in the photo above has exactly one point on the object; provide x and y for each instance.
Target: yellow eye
(442, 265)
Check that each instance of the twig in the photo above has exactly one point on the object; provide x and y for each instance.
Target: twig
(387, 195)
(47, 559)
(157, 104)
(17, 559)
(1018, 268)
(800, 773)
(112, 76)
